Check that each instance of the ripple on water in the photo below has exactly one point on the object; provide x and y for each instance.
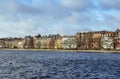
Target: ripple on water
(57, 65)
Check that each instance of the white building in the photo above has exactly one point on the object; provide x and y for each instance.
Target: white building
(21, 44)
(107, 40)
(107, 43)
(69, 42)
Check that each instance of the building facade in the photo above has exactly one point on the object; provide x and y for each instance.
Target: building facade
(36, 42)
(28, 42)
(43, 42)
(96, 40)
(58, 44)
(107, 40)
(84, 40)
(117, 39)
(2, 43)
(69, 42)
(53, 41)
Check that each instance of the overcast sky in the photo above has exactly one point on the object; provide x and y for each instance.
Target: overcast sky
(31, 17)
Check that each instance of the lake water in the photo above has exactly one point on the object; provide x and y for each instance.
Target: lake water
(58, 65)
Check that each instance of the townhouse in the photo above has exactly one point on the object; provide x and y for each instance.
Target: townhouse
(69, 42)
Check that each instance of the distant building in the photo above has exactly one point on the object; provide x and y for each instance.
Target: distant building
(43, 42)
(2, 43)
(6, 43)
(84, 40)
(48, 42)
(58, 43)
(21, 44)
(89, 40)
(53, 40)
(107, 40)
(117, 39)
(9, 43)
(36, 42)
(96, 40)
(14, 42)
(28, 42)
(69, 42)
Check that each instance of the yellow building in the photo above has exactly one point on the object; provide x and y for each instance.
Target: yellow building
(58, 44)
(36, 42)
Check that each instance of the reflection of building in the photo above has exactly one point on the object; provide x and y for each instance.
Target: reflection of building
(117, 39)
(69, 42)
(107, 40)
(28, 42)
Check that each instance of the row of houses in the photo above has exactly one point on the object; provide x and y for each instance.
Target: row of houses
(82, 41)
(40, 42)
(98, 40)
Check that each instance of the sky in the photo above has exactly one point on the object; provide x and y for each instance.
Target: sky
(19, 18)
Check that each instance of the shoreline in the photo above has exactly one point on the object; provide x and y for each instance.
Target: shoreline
(63, 50)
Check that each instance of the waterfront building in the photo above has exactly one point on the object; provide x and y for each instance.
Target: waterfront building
(96, 40)
(88, 40)
(58, 43)
(84, 40)
(2, 43)
(28, 42)
(117, 39)
(36, 42)
(43, 42)
(69, 42)
(53, 40)
(50, 42)
(21, 43)
(107, 40)
(13, 43)
(6, 43)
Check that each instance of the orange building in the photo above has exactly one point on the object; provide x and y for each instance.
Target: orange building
(96, 40)
(84, 40)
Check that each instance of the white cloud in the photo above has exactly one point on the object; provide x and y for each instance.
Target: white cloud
(81, 18)
(77, 4)
(110, 4)
(50, 16)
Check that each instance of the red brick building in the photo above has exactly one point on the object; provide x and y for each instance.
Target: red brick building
(117, 39)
